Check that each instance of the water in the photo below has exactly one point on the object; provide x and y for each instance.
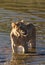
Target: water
(32, 16)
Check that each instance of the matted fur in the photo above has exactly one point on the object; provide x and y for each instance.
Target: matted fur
(21, 34)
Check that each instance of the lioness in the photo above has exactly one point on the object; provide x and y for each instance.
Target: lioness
(14, 35)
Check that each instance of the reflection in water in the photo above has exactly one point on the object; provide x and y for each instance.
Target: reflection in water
(18, 60)
(26, 59)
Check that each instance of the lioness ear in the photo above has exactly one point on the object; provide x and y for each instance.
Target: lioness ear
(22, 20)
(12, 24)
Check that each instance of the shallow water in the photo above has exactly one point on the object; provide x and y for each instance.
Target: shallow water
(5, 45)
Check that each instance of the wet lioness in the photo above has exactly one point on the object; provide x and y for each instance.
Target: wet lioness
(14, 35)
